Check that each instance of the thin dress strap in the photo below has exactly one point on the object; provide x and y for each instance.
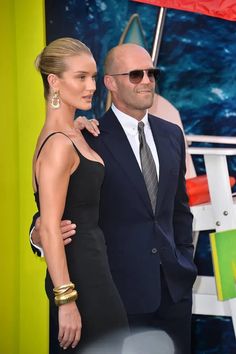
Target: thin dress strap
(46, 139)
(44, 142)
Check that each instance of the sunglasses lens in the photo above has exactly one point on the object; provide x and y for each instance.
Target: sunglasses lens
(136, 76)
(153, 74)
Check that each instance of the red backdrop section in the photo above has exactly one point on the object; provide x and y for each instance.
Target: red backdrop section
(225, 9)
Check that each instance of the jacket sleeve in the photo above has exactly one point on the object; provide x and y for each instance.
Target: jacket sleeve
(183, 218)
(36, 249)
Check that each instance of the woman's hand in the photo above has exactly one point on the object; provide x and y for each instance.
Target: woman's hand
(89, 124)
(69, 325)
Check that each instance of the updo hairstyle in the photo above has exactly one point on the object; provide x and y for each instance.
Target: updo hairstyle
(51, 59)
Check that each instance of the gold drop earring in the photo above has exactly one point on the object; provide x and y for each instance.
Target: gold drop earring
(55, 101)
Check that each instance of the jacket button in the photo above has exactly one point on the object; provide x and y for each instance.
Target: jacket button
(154, 250)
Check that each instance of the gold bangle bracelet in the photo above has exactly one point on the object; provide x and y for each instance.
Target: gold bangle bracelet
(64, 291)
(66, 298)
(63, 288)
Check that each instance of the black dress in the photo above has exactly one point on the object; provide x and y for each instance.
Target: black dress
(104, 323)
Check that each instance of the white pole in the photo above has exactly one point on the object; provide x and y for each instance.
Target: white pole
(158, 35)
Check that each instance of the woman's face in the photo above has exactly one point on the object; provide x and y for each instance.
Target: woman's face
(78, 83)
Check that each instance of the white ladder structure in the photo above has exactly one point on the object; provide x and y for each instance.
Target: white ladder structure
(219, 215)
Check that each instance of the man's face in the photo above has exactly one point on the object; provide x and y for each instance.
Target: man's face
(130, 96)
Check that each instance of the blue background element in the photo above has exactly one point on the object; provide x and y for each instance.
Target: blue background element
(99, 24)
(198, 62)
(197, 59)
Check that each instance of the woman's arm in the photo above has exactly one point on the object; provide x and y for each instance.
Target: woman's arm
(55, 164)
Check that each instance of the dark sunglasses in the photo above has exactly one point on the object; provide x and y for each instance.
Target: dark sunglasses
(136, 76)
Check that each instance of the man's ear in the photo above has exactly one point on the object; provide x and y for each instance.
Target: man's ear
(110, 83)
(53, 82)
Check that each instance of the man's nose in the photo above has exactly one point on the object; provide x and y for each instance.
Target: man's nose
(146, 78)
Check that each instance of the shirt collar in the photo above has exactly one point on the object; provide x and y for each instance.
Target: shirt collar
(128, 123)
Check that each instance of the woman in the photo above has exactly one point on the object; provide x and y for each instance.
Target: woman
(68, 174)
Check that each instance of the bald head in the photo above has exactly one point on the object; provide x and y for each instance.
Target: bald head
(124, 56)
(130, 96)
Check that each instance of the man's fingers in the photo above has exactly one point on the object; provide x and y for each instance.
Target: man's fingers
(67, 241)
(94, 126)
(68, 234)
(95, 121)
(90, 124)
(68, 228)
(67, 231)
(65, 222)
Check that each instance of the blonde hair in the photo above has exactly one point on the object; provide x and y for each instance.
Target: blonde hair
(51, 59)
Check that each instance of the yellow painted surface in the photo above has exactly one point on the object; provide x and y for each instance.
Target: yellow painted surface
(24, 328)
(9, 260)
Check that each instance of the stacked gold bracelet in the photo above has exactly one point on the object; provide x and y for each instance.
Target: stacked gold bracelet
(65, 294)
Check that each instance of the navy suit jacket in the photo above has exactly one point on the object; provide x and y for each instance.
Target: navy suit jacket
(137, 239)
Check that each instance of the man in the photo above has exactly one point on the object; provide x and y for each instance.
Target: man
(144, 211)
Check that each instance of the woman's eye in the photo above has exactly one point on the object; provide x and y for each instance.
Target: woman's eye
(82, 77)
(94, 77)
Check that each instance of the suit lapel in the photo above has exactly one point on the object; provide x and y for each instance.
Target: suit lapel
(115, 140)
